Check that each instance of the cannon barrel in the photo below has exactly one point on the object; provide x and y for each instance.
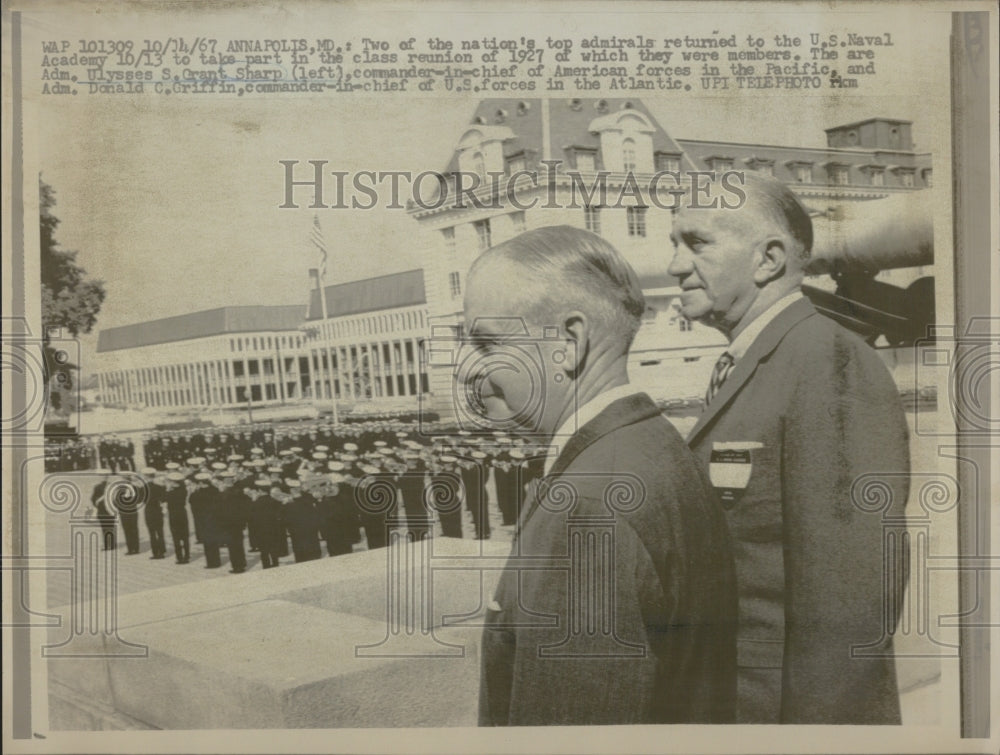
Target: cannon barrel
(879, 234)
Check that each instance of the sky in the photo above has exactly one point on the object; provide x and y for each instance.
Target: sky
(173, 202)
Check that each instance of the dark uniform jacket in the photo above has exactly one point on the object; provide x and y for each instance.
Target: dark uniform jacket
(809, 417)
(302, 517)
(645, 633)
(177, 510)
(264, 517)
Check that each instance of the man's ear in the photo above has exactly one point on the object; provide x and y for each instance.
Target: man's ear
(771, 257)
(577, 327)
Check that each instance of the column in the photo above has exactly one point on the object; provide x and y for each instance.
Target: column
(392, 367)
(193, 380)
(375, 369)
(218, 384)
(403, 367)
(246, 377)
(416, 365)
(344, 371)
(279, 370)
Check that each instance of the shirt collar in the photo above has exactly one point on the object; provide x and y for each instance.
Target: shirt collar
(582, 416)
(739, 345)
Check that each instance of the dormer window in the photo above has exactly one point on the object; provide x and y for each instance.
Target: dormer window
(802, 171)
(668, 162)
(479, 165)
(905, 176)
(481, 152)
(626, 141)
(761, 165)
(927, 175)
(586, 161)
(628, 155)
(516, 163)
(719, 164)
(839, 173)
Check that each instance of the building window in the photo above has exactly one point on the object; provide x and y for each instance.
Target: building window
(592, 218)
(628, 155)
(479, 165)
(636, 217)
(803, 174)
(685, 324)
(720, 164)
(906, 178)
(668, 163)
(449, 238)
(927, 174)
(840, 175)
(517, 220)
(516, 164)
(766, 168)
(585, 162)
(878, 178)
(484, 235)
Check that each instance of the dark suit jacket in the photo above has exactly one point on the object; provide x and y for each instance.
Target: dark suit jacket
(809, 562)
(617, 604)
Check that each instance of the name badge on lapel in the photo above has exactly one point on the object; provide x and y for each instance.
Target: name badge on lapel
(730, 467)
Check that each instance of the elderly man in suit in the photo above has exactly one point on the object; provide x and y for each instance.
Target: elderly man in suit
(800, 416)
(617, 603)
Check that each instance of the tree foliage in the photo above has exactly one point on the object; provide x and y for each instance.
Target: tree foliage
(70, 303)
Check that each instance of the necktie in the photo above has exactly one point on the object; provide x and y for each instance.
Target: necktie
(722, 369)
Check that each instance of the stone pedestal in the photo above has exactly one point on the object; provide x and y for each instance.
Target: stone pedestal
(297, 646)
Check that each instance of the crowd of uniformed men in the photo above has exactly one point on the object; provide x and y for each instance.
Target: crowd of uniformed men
(80, 453)
(320, 484)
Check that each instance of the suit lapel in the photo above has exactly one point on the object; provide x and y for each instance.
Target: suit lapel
(762, 347)
(624, 411)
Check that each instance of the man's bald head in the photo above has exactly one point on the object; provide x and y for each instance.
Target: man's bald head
(545, 272)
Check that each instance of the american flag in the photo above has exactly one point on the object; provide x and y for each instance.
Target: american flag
(316, 236)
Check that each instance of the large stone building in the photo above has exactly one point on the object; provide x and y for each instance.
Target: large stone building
(596, 160)
(391, 339)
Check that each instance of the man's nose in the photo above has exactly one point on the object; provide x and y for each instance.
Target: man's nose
(681, 263)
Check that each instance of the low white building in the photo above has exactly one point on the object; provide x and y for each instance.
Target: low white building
(368, 348)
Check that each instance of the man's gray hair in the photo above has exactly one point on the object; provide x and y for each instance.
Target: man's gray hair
(775, 200)
(567, 268)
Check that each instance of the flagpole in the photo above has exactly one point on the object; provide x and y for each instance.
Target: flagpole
(318, 241)
(329, 350)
